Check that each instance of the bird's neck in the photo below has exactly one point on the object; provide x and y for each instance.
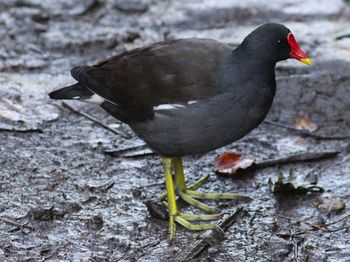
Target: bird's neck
(241, 67)
(244, 57)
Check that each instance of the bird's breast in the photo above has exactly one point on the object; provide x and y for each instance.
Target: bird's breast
(207, 124)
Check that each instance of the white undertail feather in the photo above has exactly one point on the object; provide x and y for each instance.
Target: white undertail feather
(94, 99)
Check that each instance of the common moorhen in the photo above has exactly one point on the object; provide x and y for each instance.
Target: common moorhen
(188, 96)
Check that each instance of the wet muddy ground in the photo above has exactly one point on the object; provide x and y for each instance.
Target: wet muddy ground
(62, 198)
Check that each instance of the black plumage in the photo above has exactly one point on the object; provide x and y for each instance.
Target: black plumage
(187, 96)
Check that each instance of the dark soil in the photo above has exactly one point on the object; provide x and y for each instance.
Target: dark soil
(62, 198)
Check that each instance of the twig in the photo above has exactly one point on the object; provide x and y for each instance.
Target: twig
(53, 253)
(337, 229)
(305, 132)
(29, 130)
(13, 223)
(337, 221)
(342, 36)
(295, 245)
(93, 119)
(137, 155)
(151, 245)
(203, 244)
(123, 150)
(295, 158)
(321, 227)
(103, 188)
(302, 157)
(127, 152)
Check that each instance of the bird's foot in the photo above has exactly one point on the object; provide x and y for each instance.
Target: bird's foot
(190, 196)
(176, 186)
(184, 218)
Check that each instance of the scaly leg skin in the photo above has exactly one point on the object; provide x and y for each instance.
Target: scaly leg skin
(188, 194)
(174, 215)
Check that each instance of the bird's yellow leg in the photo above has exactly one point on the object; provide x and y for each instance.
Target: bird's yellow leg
(179, 174)
(182, 188)
(201, 195)
(193, 217)
(193, 186)
(201, 217)
(183, 222)
(174, 214)
(188, 194)
(198, 183)
(171, 196)
(194, 202)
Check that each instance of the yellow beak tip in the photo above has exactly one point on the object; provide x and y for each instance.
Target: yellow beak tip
(307, 61)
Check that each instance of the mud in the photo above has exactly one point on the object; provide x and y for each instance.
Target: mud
(70, 201)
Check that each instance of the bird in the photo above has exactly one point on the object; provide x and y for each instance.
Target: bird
(188, 96)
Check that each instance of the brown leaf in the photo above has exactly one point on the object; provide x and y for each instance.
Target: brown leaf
(230, 163)
(305, 123)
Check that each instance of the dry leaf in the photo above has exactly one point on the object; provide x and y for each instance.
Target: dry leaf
(230, 163)
(305, 123)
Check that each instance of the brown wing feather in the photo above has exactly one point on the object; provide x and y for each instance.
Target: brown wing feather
(166, 72)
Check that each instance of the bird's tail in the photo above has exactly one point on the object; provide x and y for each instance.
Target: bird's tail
(75, 91)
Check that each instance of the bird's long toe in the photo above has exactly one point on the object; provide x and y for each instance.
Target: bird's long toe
(194, 202)
(190, 226)
(204, 195)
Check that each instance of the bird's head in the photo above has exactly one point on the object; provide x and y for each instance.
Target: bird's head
(274, 42)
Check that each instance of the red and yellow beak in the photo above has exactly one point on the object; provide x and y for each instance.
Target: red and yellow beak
(296, 52)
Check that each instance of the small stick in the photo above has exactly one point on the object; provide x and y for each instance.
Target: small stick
(300, 221)
(29, 130)
(295, 245)
(338, 229)
(126, 152)
(151, 245)
(305, 132)
(53, 253)
(295, 158)
(302, 157)
(13, 223)
(123, 150)
(93, 119)
(324, 226)
(203, 244)
(339, 220)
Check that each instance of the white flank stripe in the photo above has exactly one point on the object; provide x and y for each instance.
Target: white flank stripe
(168, 106)
(173, 106)
(94, 99)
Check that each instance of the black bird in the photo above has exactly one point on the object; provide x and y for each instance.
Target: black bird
(188, 96)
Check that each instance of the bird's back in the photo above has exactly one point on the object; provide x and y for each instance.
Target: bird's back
(175, 71)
